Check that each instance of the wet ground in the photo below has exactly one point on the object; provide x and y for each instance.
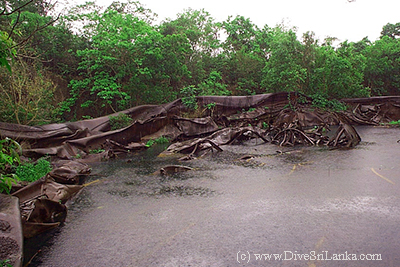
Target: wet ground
(311, 206)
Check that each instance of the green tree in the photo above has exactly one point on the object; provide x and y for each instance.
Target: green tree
(284, 71)
(246, 50)
(382, 71)
(19, 23)
(162, 69)
(28, 90)
(339, 73)
(213, 86)
(110, 59)
(241, 33)
(7, 50)
(27, 95)
(391, 30)
(202, 34)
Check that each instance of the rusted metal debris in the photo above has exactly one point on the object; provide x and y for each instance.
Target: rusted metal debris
(11, 238)
(275, 111)
(42, 203)
(346, 136)
(173, 169)
(71, 172)
(40, 215)
(279, 118)
(215, 140)
(373, 110)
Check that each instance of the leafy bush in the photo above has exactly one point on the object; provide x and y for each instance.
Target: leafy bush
(189, 97)
(159, 140)
(395, 123)
(27, 95)
(9, 153)
(120, 121)
(12, 169)
(321, 101)
(210, 106)
(96, 151)
(9, 159)
(5, 263)
(213, 86)
(31, 172)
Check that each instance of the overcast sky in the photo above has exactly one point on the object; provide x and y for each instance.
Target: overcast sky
(335, 18)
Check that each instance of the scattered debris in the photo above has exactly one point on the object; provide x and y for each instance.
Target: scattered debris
(42, 202)
(247, 158)
(172, 169)
(222, 137)
(71, 172)
(40, 215)
(11, 238)
(278, 118)
(346, 136)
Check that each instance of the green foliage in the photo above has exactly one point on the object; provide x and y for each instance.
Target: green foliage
(339, 74)
(27, 95)
(199, 28)
(120, 121)
(391, 30)
(189, 99)
(106, 64)
(96, 151)
(249, 110)
(95, 61)
(382, 71)
(243, 34)
(150, 143)
(6, 50)
(284, 70)
(5, 263)
(31, 172)
(395, 123)
(210, 106)
(246, 51)
(162, 140)
(213, 86)
(159, 140)
(265, 125)
(10, 152)
(321, 101)
(6, 182)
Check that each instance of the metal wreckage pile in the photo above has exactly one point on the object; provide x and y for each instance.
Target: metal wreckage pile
(284, 119)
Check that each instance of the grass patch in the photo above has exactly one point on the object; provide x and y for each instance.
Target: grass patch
(31, 172)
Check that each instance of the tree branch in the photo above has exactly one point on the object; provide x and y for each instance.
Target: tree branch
(15, 25)
(35, 31)
(3, 13)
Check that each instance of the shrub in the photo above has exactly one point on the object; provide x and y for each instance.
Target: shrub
(120, 121)
(159, 140)
(31, 172)
(189, 97)
(394, 123)
(321, 101)
(10, 151)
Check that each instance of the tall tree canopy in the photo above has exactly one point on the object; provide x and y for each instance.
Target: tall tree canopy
(96, 60)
